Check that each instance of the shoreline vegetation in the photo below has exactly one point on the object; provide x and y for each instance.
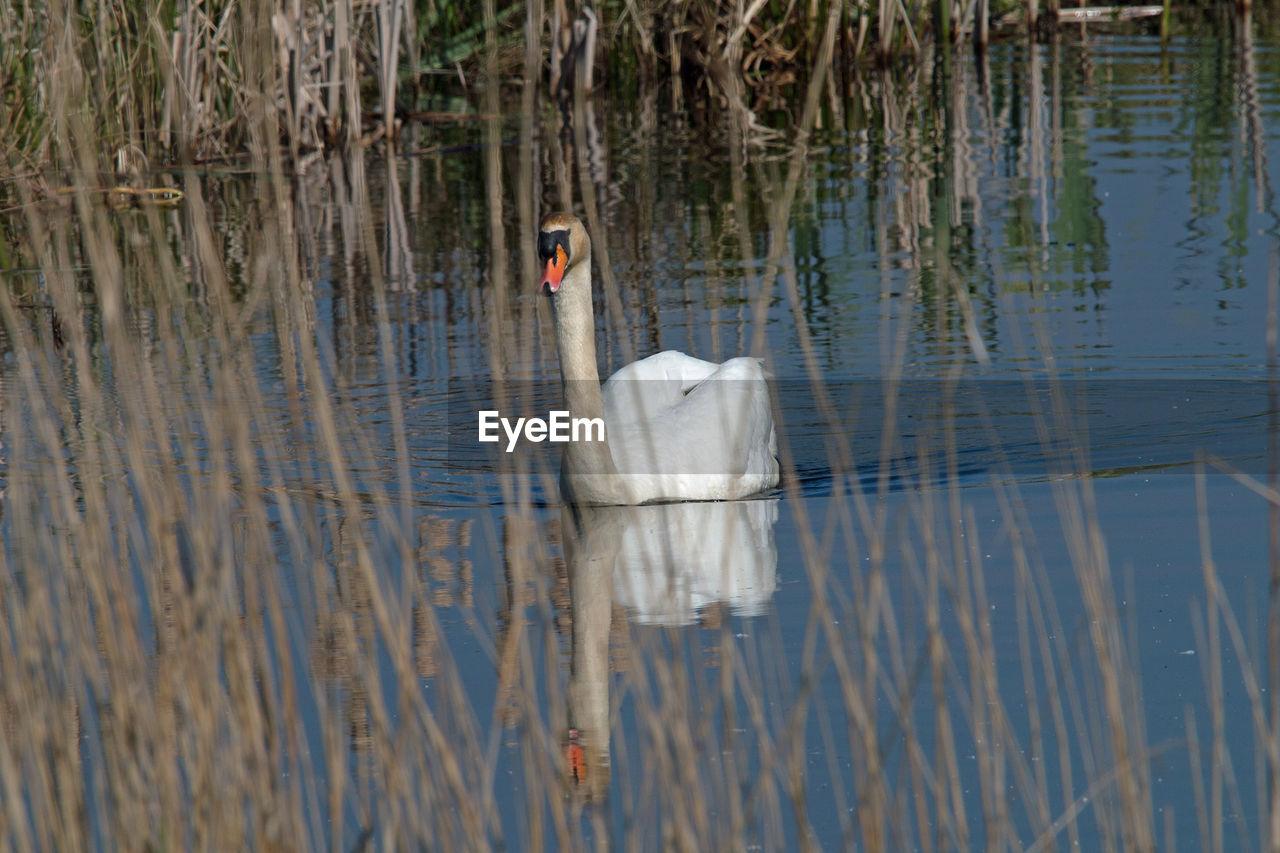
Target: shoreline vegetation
(165, 83)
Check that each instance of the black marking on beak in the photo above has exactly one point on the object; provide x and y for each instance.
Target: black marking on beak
(548, 240)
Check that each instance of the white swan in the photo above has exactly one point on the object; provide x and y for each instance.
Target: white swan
(676, 428)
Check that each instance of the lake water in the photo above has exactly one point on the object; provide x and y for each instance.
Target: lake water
(1018, 324)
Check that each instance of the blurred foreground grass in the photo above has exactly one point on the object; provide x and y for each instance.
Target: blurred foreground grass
(221, 591)
(221, 601)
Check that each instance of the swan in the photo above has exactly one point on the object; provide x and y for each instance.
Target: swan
(676, 428)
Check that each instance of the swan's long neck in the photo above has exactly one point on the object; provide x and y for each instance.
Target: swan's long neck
(575, 324)
(588, 472)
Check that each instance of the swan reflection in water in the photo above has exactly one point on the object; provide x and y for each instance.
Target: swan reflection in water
(663, 563)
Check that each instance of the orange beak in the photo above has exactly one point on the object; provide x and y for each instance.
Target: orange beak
(554, 271)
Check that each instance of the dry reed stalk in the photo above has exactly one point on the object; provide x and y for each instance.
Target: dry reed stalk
(390, 15)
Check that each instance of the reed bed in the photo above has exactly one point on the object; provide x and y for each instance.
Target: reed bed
(224, 599)
(164, 82)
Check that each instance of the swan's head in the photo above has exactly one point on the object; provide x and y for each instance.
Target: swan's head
(562, 244)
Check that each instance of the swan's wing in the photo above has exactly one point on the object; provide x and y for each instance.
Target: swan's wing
(736, 399)
(685, 370)
(643, 390)
(699, 430)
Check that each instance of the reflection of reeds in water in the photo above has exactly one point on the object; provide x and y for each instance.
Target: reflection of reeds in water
(223, 602)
